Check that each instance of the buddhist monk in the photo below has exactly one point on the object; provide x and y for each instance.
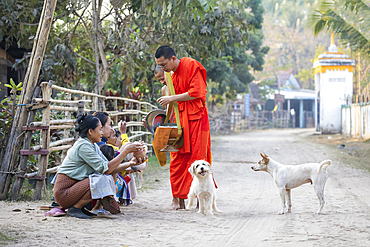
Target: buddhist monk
(190, 82)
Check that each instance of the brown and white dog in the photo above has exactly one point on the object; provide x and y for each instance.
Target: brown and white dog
(202, 187)
(288, 177)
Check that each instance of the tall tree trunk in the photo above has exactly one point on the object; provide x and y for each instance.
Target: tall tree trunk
(97, 86)
(29, 84)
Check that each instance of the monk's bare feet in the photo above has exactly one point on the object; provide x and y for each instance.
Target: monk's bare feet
(175, 203)
(182, 203)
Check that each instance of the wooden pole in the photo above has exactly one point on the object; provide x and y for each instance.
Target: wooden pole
(67, 132)
(42, 163)
(97, 88)
(29, 84)
(23, 162)
(115, 102)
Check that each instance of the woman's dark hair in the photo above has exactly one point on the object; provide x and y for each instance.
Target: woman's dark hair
(86, 122)
(103, 117)
(117, 133)
(107, 151)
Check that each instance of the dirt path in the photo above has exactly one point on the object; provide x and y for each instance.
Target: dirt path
(249, 201)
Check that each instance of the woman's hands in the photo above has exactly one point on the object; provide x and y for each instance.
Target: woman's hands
(144, 123)
(122, 127)
(130, 147)
(137, 161)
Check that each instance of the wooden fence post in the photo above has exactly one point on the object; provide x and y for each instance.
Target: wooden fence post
(42, 163)
(95, 103)
(23, 161)
(29, 84)
(115, 102)
(67, 132)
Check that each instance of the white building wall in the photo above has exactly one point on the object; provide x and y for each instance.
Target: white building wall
(346, 121)
(356, 120)
(335, 87)
(317, 89)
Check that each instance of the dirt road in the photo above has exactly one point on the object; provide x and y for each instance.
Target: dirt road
(249, 200)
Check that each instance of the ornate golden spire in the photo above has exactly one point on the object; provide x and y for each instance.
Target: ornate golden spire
(333, 48)
(332, 38)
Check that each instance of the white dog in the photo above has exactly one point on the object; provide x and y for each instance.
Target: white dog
(288, 177)
(203, 187)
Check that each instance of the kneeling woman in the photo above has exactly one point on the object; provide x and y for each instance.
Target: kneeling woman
(72, 186)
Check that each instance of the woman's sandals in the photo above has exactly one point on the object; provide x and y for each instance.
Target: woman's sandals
(77, 212)
(110, 205)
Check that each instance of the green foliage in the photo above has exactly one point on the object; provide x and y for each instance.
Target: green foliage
(231, 69)
(8, 107)
(306, 77)
(292, 45)
(349, 21)
(346, 18)
(264, 89)
(130, 32)
(14, 88)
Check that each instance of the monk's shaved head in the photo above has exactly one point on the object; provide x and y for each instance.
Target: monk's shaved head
(165, 51)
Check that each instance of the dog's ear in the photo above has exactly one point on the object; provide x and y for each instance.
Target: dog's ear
(262, 155)
(191, 170)
(265, 158)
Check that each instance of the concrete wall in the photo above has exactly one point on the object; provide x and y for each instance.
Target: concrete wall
(335, 87)
(356, 120)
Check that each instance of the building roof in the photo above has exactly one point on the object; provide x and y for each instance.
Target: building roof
(13, 50)
(286, 79)
(296, 94)
(333, 58)
(255, 98)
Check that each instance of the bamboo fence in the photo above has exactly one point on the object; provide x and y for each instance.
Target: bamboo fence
(132, 111)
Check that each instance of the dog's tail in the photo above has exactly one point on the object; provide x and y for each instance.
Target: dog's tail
(324, 164)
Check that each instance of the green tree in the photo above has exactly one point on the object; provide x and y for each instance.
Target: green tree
(128, 34)
(346, 18)
(232, 68)
(349, 21)
(292, 45)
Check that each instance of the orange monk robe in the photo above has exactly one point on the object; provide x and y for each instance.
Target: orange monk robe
(190, 76)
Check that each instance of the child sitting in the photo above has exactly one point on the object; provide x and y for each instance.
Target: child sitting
(108, 152)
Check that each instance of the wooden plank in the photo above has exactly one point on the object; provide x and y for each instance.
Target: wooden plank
(53, 144)
(42, 162)
(50, 170)
(37, 106)
(59, 127)
(39, 152)
(126, 112)
(58, 148)
(63, 108)
(72, 91)
(59, 121)
(41, 127)
(56, 101)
